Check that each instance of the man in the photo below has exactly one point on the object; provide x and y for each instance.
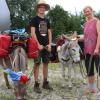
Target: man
(40, 30)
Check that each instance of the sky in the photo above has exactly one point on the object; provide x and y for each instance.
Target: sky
(75, 5)
(4, 16)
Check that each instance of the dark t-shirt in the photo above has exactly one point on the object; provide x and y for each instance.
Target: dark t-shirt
(41, 29)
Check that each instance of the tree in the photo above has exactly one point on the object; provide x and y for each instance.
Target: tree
(59, 20)
(21, 12)
(97, 15)
(76, 22)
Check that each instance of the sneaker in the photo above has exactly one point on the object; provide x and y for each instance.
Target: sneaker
(88, 91)
(47, 86)
(94, 91)
(36, 87)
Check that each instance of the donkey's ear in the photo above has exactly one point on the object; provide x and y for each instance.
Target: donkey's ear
(66, 42)
(74, 39)
(58, 48)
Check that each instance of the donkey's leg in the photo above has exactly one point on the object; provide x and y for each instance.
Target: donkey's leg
(63, 70)
(23, 60)
(74, 69)
(63, 73)
(3, 65)
(20, 59)
(6, 80)
(69, 75)
(7, 64)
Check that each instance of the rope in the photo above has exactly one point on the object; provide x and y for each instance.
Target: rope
(81, 65)
(98, 74)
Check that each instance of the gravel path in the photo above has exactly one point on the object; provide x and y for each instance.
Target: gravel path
(61, 91)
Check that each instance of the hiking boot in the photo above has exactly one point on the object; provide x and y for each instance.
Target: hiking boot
(47, 86)
(36, 87)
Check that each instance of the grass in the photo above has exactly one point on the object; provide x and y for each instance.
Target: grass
(6, 97)
(60, 92)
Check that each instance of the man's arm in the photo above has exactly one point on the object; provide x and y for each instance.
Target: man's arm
(80, 38)
(98, 38)
(49, 36)
(50, 40)
(98, 31)
(34, 36)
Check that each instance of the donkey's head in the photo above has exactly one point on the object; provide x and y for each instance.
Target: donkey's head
(70, 50)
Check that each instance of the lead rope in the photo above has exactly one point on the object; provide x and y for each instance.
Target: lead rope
(80, 64)
(83, 73)
(98, 73)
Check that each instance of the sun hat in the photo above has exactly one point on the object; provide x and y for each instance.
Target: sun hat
(43, 3)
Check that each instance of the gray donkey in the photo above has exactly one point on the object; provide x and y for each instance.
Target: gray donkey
(17, 61)
(68, 55)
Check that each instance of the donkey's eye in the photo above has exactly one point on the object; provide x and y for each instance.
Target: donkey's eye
(73, 49)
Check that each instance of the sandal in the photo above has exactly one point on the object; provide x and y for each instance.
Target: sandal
(21, 99)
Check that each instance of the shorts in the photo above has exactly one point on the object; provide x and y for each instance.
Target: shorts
(44, 55)
(94, 63)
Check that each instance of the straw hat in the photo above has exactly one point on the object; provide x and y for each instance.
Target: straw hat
(43, 3)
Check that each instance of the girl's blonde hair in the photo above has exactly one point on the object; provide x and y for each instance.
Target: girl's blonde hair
(87, 7)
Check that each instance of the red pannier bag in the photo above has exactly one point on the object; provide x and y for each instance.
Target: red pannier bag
(5, 42)
(33, 50)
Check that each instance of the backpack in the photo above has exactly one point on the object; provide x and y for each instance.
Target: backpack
(33, 50)
(5, 42)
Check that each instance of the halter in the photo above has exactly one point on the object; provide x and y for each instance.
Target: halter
(73, 53)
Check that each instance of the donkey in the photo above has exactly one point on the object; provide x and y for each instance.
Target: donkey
(17, 61)
(68, 54)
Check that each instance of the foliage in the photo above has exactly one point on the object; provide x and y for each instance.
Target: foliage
(21, 12)
(59, 20)
(62, 22)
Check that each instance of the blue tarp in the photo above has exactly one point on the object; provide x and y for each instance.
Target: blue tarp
(17, 31)
(15, 76)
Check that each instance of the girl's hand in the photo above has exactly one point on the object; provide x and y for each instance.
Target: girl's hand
(96, 51)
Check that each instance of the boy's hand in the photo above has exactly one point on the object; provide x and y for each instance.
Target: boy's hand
(49, 47)
(40, 47)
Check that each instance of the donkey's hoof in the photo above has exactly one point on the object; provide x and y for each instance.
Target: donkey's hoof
(70, 86)
(9, 87)
(63, 85)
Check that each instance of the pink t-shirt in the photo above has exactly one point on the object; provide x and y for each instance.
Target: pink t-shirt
(90, 36)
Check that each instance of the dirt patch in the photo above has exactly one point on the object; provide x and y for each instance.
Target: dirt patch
(60, 91)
